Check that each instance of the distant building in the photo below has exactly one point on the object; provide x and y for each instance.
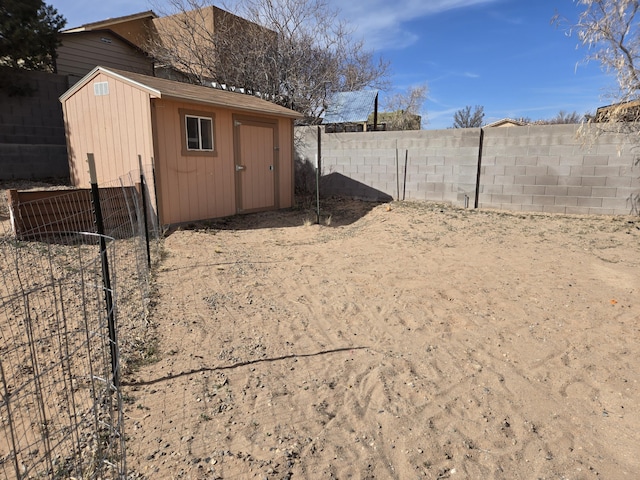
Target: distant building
(618, 112)
(350, 111)
(398, 120)
(506, 122)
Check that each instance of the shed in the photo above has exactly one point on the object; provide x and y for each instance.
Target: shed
(215, 153)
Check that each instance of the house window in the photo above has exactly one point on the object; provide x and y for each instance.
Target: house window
(198, 133)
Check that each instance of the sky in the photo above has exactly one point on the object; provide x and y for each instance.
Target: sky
(503, 55)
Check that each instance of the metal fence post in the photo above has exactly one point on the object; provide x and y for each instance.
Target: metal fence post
(143, 192)
(318, 165)
(106, 278)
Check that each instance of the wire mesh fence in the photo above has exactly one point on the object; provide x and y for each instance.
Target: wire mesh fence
(60, 399)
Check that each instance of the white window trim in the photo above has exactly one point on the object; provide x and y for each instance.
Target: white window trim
(186, 129)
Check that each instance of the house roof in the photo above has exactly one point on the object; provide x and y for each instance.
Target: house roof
(97, 31)
(627, 111)
(506, 122)
(169, 89)
(102, 24)
(351, 107)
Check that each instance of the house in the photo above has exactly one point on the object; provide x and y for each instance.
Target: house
(506, 122)
(215, 153)
(628, 111)
(81, 50)
(134, 28)
(237, 43)
(186, 36)
(398, 120)
(350, 111)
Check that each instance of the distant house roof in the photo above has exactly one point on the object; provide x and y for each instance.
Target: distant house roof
(628, 111)
(102, 24)
(162, 88)
(506, 122)
(351, 107)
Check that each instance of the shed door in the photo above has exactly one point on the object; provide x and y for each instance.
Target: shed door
(256, 158)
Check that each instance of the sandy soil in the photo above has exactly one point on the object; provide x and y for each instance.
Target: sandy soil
(401, 341)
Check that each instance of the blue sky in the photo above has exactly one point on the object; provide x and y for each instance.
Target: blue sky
(501, 54)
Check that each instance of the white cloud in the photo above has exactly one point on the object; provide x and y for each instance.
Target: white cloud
(381, 23)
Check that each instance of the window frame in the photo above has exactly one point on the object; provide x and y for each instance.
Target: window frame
(200, 115)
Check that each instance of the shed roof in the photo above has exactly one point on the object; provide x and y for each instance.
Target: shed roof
(170, 89)
(351, 107)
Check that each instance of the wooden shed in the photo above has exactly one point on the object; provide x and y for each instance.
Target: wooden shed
(215, 153)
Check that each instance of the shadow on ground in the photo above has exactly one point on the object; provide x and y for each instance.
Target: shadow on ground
(334, 212)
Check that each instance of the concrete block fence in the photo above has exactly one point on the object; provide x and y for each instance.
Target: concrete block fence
(32, 133)
(546, 168)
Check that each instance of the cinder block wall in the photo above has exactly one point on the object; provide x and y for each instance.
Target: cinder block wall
(549, 168)
(414, 165)
(539, 168)
(32, 135)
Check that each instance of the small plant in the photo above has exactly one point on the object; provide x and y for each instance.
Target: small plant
(327, 221)
(307, 222)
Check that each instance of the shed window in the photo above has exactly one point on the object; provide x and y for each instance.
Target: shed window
(199, 132)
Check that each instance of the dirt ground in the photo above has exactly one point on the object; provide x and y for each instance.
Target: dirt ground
(400, 341)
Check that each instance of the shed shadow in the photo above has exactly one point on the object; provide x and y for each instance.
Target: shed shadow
(338, 184)
(335, 211)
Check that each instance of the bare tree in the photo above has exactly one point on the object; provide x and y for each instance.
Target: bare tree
(564, 117)
(465, 118)
(403, 111)
(609, 29)
(293, 52)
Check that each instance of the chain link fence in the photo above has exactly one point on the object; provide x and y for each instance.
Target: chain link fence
(73, 313)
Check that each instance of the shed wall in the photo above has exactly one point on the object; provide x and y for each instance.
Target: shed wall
(116, 128)
(192, 187)
(200, 187)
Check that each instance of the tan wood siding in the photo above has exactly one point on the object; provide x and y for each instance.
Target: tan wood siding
(81, 52)
(193, 187)
(116, 128)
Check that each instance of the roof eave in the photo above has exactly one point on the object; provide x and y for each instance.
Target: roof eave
(93, 73)
(112, 21)
(231, 106)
